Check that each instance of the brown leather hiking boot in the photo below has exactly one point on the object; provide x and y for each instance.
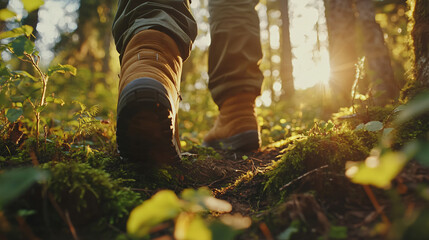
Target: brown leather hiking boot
(148, 99)
(236, 127)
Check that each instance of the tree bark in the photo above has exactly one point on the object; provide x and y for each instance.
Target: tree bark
(341, 24)
(420, 35)
(286, 72)
(419, 79)
(383, 87)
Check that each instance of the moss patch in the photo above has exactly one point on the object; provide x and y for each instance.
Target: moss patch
(89, 193)
(313, 152)
(417, 128)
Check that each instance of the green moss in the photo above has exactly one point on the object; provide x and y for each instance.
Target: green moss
(313, 152)
(417, 128)
(88, 193)
(204, 152)
(7, 148)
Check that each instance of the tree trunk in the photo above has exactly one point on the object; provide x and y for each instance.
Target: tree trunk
(420, 35)
(286, 72)
(94, 31)
(342, 48)
(269, 50)
(419, 80)
(383, 87)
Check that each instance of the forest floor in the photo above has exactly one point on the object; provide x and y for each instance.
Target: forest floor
(293, 188)
(337, 209)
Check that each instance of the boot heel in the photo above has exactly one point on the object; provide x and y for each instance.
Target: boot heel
(144, 129)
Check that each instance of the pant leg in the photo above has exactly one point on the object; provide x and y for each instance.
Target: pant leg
(172, 17)
(235, 51)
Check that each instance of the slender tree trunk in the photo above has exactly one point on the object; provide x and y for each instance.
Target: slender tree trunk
(286, 72)
(342, 48)
(107, 41)
(269, 50)
(420, 35)
(383, 87)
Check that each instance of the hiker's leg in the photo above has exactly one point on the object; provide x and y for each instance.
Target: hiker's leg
(172, 17)
(234, 76)
(153, 38)
(235, 49)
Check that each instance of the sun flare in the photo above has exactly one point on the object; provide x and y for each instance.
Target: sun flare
(309, 40)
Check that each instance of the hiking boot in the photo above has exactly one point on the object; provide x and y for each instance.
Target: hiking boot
(236, 127)
(149, 98)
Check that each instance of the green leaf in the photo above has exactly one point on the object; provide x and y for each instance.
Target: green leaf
(191, 227)
(196, 196)
(13, 114)
(31, 5)
(418, 150)
(387, 132)
(59, 101)
(25, 212)
(55, 100)
(4, 100)
(374, 126)
(222, 231)
(414, 108)
(24, 30)
(163, 206)
(22, 45)
(4, 71)
(6, 14)
(338, 232)
(40, 109)
(360, 127)
(25, 74)
(19, 98)
(49, 99)
(287, 234)
(62, 69)
(378, 171)
(15, 182)
(330, 126)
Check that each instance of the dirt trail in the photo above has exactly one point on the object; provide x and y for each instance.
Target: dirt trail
(239, 179)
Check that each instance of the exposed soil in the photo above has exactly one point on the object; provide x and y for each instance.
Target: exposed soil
(318, 206)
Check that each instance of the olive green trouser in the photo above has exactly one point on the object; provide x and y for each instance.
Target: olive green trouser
(235, 50)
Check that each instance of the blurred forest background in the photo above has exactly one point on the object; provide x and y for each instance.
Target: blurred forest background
(300, 57)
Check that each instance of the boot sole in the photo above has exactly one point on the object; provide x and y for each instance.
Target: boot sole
(246, 141)
(144, 130)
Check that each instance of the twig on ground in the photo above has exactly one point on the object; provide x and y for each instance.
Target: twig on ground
(376, 205)
(65, 217)
(218, 180)
(33, 157)
(253, 158)
(302, 176)
(26, 230)
(266, 231)
(71, 227)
